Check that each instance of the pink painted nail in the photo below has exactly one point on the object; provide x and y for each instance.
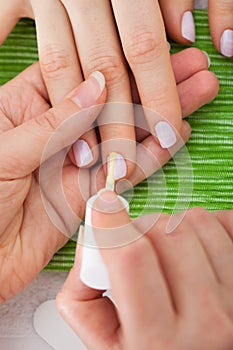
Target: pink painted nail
(165, 134)
(82, 153)
(226, 43)
(120, 168)
(188, 26)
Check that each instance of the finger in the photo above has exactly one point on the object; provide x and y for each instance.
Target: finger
(179, 20)
(58, 57)
(133, 270)
(9, 16)
(185, 64)
(221, 25)
(185, 264)
(86, 311)
(102, 52)
(32, 136)
(188, 62)
(150, 158)
(145, 47)
(225, 217)
(216, 242)
(197, 91)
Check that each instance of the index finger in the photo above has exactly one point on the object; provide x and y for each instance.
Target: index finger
(145, 47)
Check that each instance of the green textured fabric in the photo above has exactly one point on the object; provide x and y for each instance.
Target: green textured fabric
(210, 146)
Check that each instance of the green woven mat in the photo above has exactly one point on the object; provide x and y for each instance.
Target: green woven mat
(210, 146)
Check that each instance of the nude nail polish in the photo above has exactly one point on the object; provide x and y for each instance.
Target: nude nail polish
(165, 134)
(82, 153)
(226, 43)
(120, 169)
(188, 26)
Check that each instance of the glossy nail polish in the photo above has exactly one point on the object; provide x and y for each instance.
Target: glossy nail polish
(226, 43)
(120, 169)
(165, 134)
(82, 153)
(188, 26)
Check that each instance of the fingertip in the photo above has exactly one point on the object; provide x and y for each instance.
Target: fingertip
(186, 131)
(109, 210)
(84, 155)
(179, 20)
(188, 27)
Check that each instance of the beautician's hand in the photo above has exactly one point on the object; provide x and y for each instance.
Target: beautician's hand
(172, 291)
(181, 27)
(28, 238)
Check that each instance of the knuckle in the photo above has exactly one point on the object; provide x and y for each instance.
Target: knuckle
(143, 46)
(198, 214)
(224, 6)
(132, 256)
(111, 66)
(55, 61)
(48, 121)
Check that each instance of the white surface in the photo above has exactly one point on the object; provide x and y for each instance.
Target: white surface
(49, 324)
(16, 316)
(16, 326)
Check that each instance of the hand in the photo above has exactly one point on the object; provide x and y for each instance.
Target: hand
(28, 238)
(181, 27)
(85, 32)
(172, 291)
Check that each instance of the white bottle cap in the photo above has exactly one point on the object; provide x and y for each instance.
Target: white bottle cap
(93, 271)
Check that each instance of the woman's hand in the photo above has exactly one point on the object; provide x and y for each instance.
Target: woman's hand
(76, 38)
(171, 291)
(28, 238)
(180, 24)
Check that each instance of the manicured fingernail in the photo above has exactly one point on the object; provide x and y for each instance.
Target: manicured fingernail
(226, 43)
(87, 94)
(120, 168)
(208, 58)
(188, 26)
(169, 46)
(165, 134)
(82, 153)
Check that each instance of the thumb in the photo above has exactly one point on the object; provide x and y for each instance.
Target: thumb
(112, 226)
(23, 147)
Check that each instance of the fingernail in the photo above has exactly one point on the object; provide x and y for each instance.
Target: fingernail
(169, 46)
(208, 58)
(226, 43)
(165, 134)
(188, 26)
(108, 201)
(82, 153)
(120, 168)
(90, 90)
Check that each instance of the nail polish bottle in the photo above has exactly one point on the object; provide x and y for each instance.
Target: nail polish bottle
(93, 271)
